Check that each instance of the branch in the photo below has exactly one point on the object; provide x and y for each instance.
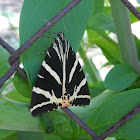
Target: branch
(80, 123)
(43, 29)
(10, 72)
(131, 8)
(11, 51)
(119, 123)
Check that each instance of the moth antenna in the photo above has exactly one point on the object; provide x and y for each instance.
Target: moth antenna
(41, 52)
(49, 37)
(52, 33)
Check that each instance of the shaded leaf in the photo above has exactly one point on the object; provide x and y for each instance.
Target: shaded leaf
(135, 85)
(108, 46)
(16, 96)
(133, 18)
(35, 14)
(84, 112)
(120, 77)
(28, 135)
(112, 110)
(23, 135)
(6, 133)
(11, 136)
(62, 125)
(46, 122)
(96, 89)
(22, 85)
(89, 67)
(101, 21)
(16, 117)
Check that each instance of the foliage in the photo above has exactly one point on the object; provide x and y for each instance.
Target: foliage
(111, 99)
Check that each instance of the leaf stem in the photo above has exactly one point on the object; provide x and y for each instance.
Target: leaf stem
(124, 34)
(92, 71)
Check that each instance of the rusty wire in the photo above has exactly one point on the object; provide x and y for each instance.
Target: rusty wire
(131, 8)
(14, 62)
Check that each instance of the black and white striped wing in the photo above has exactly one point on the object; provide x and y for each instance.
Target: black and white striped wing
(61, 81)
(76, 84)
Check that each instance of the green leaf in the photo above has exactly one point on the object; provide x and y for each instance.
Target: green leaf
(110, 63)
(89, 66)
(6, 133)
(102, 21)
(108, 46)
(35, 14)
(46, 122)
(76, 129)
(96, 89)
(112, 110)
(16, 96)
(85, 136)
(16, 117)
(28, 135)
(61, 125)
(4, 65)
(125, 37)
(135, 85)
(133, 18)
(22, 85)
(23, 135)
(120, 77)
(84, 112)
(11, 136)
(97, 6)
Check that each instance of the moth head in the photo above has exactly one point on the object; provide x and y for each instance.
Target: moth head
(60, 35)
(65, 100)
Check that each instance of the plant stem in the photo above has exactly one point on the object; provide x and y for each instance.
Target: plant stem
(124, 34)
(92, 71)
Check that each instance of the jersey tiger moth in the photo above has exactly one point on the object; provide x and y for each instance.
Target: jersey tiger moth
(61, 81)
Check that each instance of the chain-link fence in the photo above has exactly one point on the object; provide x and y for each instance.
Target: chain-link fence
(14, 62)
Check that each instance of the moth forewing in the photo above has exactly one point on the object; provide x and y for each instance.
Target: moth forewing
(61, 81)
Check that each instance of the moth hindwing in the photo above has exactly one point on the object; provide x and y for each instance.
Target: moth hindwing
(61, 81)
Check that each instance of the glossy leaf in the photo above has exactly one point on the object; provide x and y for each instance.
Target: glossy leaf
(62, 125)
(96, 89)
(6, 133)
(22, 85)
(97, 7)
(101, 21)
(113, 110)
(16, 96)
(16, 117)
(46, 122)
(35, 14)
(120, 77)
(84, 112)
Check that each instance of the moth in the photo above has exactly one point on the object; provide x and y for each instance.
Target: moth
(61, 81)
